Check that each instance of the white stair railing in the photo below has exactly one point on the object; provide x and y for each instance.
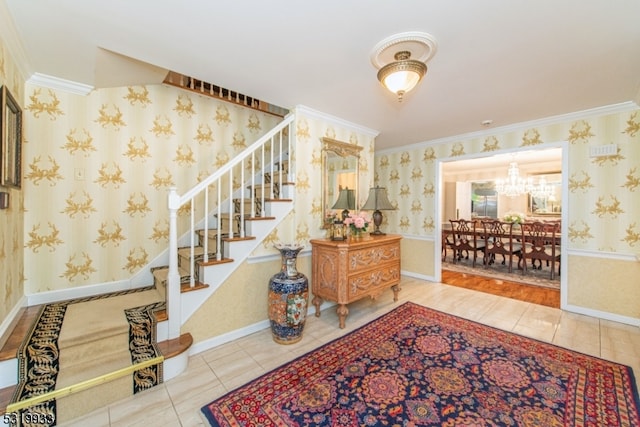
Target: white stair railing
(270, 146)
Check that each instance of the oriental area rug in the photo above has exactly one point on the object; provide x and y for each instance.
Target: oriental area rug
(415, 366)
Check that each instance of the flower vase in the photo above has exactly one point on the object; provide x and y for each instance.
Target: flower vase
(288, 296)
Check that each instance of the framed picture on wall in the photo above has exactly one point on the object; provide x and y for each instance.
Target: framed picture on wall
(11, 140)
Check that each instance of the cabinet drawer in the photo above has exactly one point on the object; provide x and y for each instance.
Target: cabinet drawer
(363, 259)
(374, 281)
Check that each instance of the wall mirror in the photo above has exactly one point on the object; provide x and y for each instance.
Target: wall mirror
(10, 140)
(340, 161)
(549, 203)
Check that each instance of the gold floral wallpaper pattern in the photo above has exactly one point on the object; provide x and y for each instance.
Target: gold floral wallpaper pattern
(97, 169)
(12, 218)
(604, 192)
(603, 199)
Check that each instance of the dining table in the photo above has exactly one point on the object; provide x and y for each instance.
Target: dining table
(480, 234)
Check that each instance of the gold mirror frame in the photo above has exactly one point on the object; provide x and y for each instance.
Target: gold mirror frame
(10, 140)
(544, 206)
(338, 158)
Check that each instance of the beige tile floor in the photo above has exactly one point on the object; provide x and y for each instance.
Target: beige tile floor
(214, 372)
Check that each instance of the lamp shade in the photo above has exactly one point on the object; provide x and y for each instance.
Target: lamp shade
(376, 202)
(346, 200)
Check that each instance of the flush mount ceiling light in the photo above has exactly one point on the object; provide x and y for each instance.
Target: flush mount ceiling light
(402, 75)
(401, 60)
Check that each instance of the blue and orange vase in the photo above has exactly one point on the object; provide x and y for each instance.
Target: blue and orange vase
(288, 296)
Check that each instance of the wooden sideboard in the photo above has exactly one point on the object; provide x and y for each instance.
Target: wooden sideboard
(346, 271)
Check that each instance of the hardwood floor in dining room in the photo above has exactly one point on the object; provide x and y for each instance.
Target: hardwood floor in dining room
(520, 291)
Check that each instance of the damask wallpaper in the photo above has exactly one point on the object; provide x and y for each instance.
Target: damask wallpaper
(604, 195)
(97, 170)
(12, 218)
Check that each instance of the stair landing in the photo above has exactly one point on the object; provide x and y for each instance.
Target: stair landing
(28, 316)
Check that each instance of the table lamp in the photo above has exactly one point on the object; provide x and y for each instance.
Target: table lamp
(376, 202)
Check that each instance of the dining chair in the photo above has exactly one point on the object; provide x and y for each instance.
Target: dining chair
(447, 242)
(465, 238)
(540, 242)
(499, 240)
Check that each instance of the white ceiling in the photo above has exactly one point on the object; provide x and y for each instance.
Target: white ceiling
(510, 61)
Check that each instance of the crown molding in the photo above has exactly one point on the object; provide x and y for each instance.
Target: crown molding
(578, 115)
(59, 84)
(301, 109)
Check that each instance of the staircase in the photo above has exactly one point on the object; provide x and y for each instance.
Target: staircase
(238, 206)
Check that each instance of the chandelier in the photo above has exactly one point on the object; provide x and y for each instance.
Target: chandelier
(543, 189)
(514, 185)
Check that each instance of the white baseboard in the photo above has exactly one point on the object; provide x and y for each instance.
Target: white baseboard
(417, 276)
(81, 292)
(602, 315)
(243, 332)
(228, 337)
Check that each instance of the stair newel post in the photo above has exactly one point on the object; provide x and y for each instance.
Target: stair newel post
(173, 279)
(242, 198)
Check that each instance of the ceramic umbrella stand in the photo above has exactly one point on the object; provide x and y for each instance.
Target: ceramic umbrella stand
(288, 296)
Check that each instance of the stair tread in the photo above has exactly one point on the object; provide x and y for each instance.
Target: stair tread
(238, 239)
(174, 347)
(215, 261)
(99, 365)
(162, 273)
(261, 218)
(213, 232)
(226, 215)
(197, 251)
(276, 177)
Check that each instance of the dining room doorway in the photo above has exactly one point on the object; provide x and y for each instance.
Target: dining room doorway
(463, 184)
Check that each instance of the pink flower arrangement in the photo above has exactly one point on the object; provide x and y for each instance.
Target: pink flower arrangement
(358, 223)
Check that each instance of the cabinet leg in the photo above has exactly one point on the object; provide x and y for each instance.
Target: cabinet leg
(396, 290)
(343, 312)
(317, 301)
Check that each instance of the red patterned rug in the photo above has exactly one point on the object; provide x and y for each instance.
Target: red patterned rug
(416, 366)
